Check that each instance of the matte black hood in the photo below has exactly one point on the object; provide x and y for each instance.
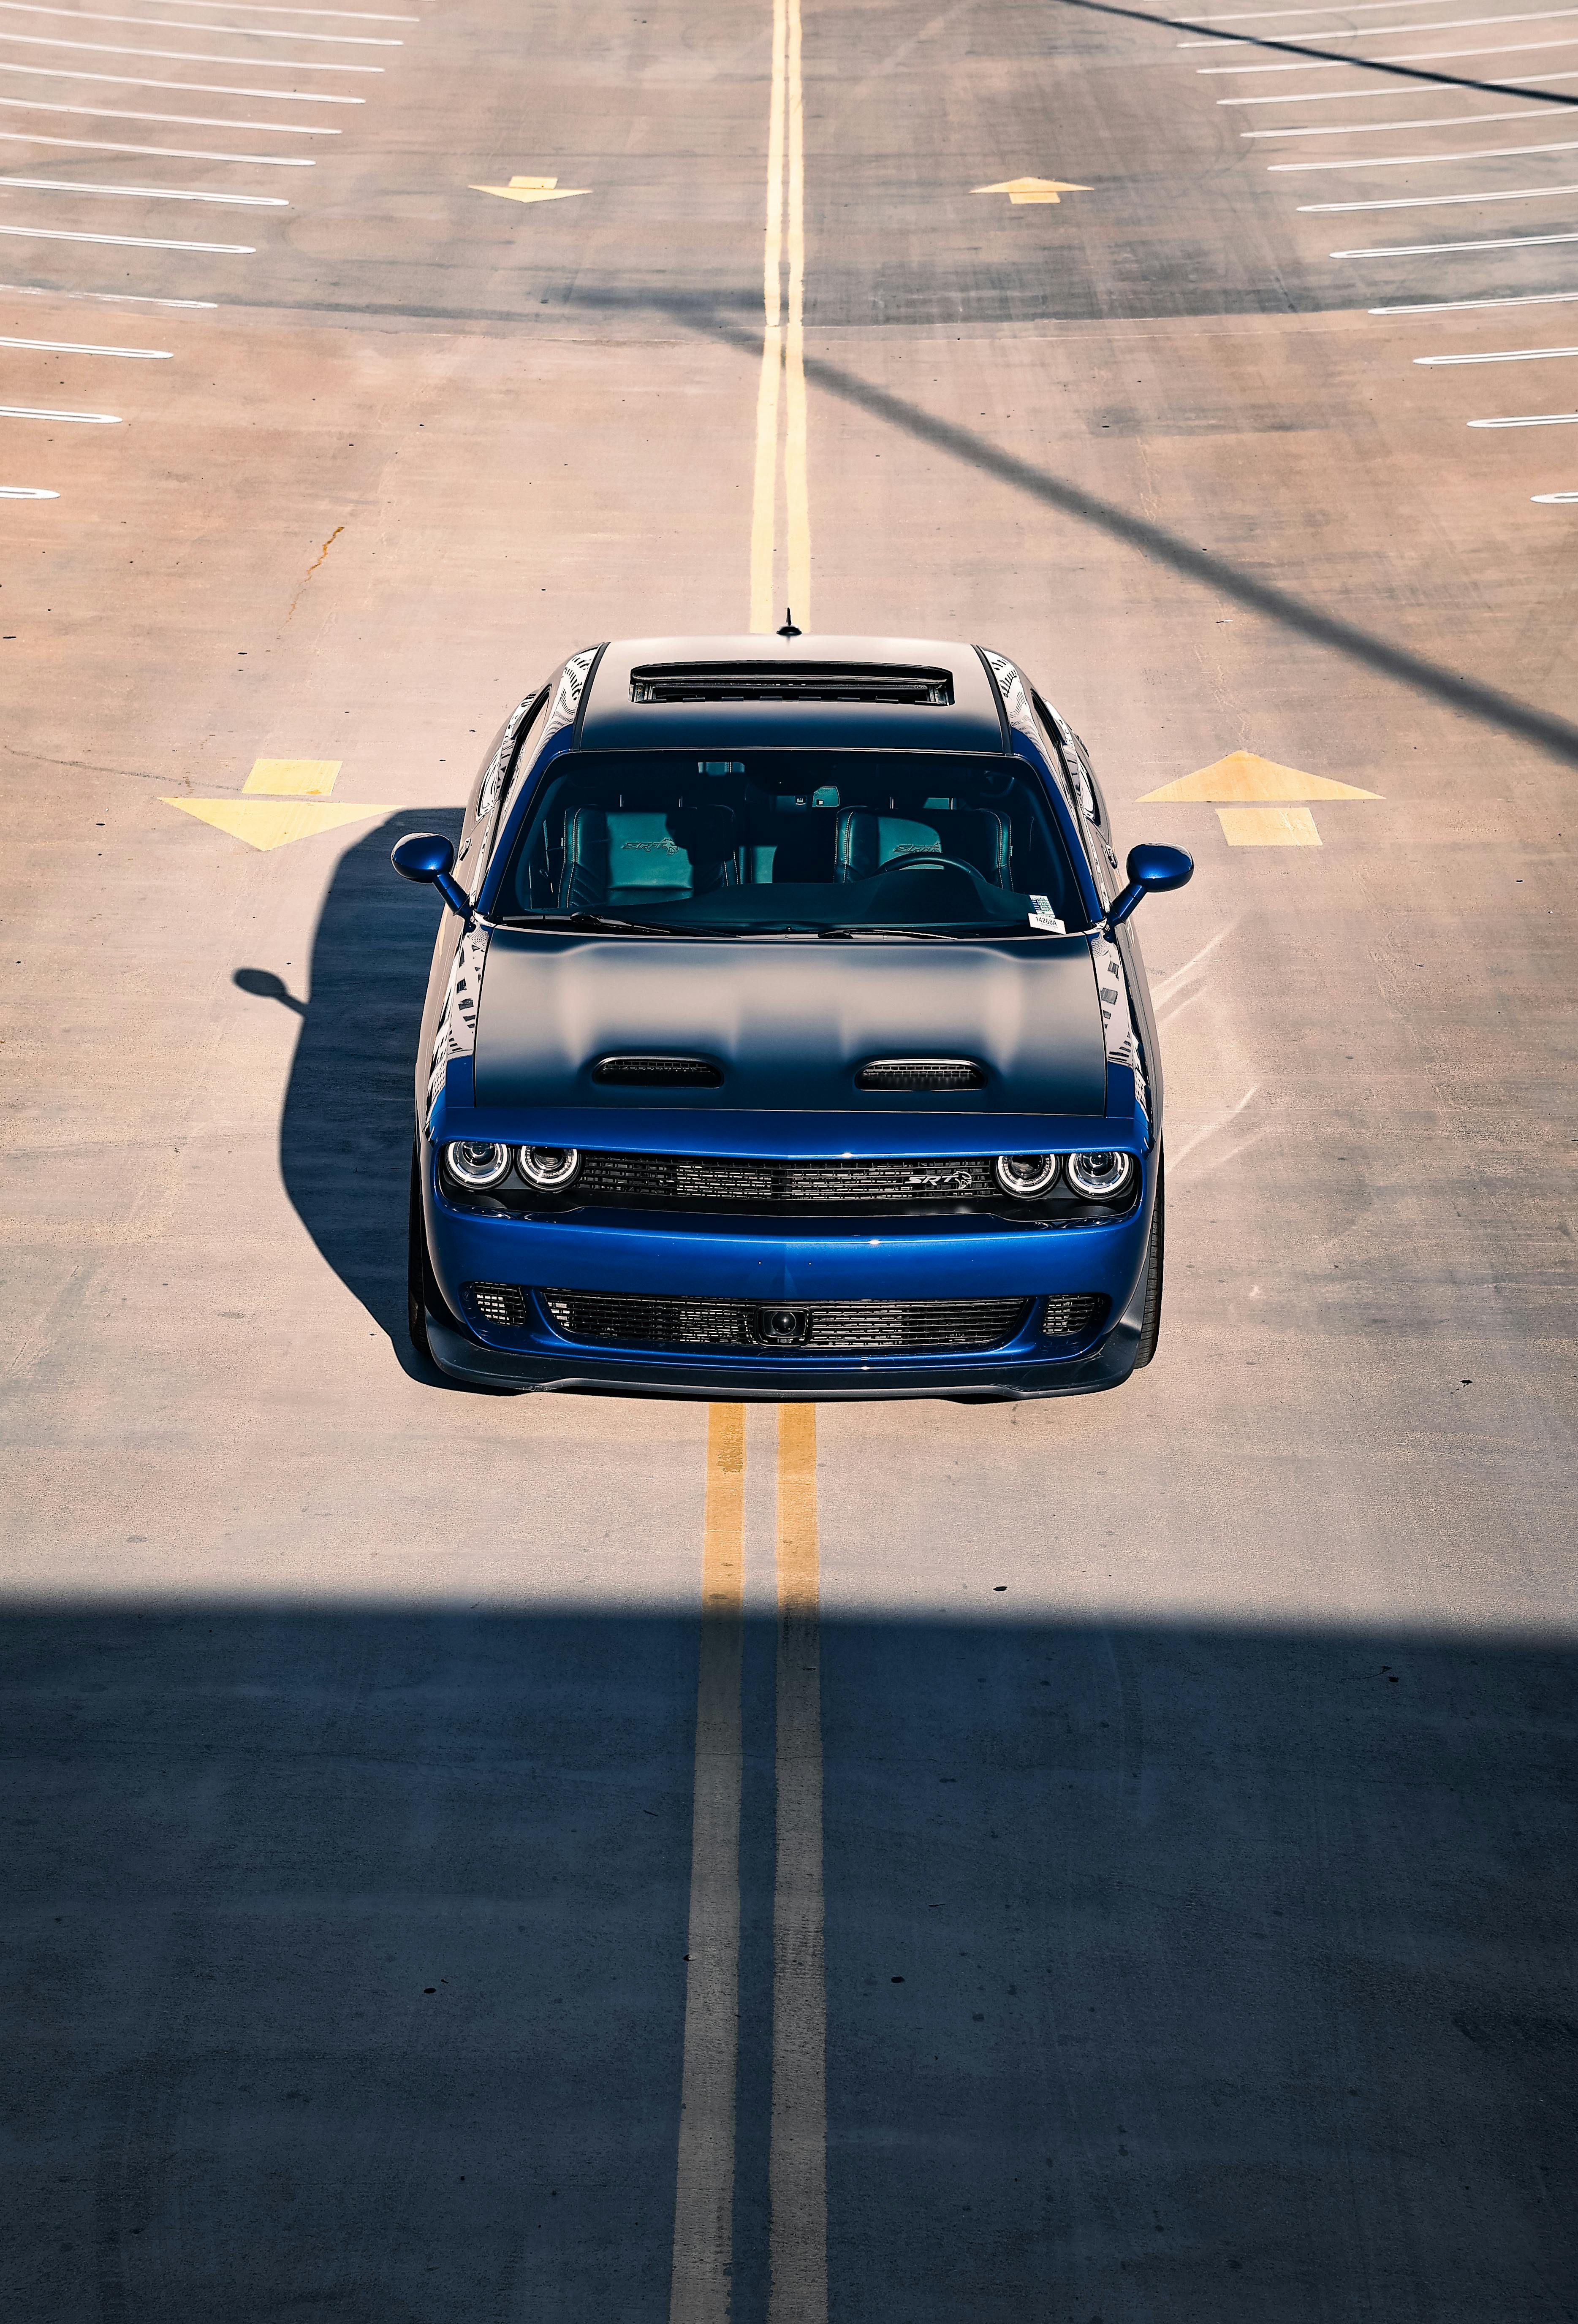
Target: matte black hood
(789, 1023)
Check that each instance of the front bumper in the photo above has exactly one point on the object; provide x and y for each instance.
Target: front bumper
(694, 1259)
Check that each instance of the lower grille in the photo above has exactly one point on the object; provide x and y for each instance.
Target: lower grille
(824, 1326)
(503, 1305)
(1070, 1314)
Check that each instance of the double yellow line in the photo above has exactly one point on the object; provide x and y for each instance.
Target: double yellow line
(798, 2139)
(783, 361)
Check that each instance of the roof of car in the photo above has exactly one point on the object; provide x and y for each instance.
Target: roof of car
(810, 692)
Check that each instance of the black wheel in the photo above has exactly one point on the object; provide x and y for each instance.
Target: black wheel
(1150, 1328)
(416, 1270)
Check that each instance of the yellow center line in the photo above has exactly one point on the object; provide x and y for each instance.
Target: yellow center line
(704, 2193)
(782, 381)
(798, 2148)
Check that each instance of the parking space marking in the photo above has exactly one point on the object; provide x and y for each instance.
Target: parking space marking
(165, 152)
(191, 120)
(1446, 249)
(798, 2150)
(1428, 201)
(176, 25)
(125, 241)
(293, 777)
(704, 2193)
(1418, 161)
(1357, 32)
(1371, 96)
(196, 87)
(1466, 305)
(268, 823)
(1374, 128)
(1502, 355)
(75, 347)
(102, 298)
(182, 56)
(77, 419)
(1532, 419)
(151, 193)
(1430, 57)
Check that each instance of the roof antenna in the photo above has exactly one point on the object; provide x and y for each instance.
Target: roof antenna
(788, 629)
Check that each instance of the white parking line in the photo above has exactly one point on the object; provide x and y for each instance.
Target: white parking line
(1532, 419)
(125, 241)
(74, 347)
(80, 418)
(1321, 129)
(1239, 16)
(1503, 354)
(101, 298)
(25, 492)
(1360, 96)
(1418, 161)
(219, 89)
(197, 120)
(1465, 306)
(1425, 201)
(182, 56)
(175, 24)
(1435, 249)
(1360, 32)
(1425, 57)
(371, 17)
(151, 193)
(165, 152)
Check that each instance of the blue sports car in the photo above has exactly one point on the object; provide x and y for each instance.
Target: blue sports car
(787, 1036)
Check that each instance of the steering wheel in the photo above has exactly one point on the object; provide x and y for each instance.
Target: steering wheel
(922, 859)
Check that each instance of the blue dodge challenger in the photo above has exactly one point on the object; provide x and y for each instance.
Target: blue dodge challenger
(787, 1036)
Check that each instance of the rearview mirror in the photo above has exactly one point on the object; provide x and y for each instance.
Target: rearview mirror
(429, 859)
(1149, 867)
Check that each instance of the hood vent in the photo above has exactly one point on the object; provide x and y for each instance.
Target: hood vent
(789, 681)
(921, 1074)
(657, 1072)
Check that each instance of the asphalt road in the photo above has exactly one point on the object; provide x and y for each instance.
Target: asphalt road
(1125, 1847)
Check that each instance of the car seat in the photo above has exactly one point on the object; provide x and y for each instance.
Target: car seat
(867, 840)
(629, 855)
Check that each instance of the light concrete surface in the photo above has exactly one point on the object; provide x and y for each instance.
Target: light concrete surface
(1199, 1756)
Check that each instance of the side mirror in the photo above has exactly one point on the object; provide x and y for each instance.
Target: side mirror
(429, 860)
(1149, 867)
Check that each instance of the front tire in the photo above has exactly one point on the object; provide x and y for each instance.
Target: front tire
(1151, 1328)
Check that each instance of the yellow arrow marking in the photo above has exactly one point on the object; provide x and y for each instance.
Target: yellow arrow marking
(1242, 776)
(533, 189)
(293, 777)
(1269, 826)
(1031, 190)
(272, 823)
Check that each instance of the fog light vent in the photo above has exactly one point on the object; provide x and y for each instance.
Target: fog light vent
(503, 1305)
(1072, 1315)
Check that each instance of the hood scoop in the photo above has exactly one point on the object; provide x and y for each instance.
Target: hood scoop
(921, 1074)
(657, 1072)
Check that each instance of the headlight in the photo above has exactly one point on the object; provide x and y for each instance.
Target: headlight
(1099, 1175)
(548, 1167)
(1026, 1175)
(473, 1164)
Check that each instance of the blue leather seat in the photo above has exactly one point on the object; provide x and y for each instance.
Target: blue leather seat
(867, 840)
(627, 855)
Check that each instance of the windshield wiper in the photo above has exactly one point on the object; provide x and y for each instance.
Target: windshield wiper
(590, 921)
(885, 928)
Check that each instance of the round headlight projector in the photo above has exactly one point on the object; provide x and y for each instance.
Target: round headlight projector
(1026, 1175)
(1099, 1175)
(474, 1164)
(548, 1167)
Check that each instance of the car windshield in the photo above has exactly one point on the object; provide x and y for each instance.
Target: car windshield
(828, 841)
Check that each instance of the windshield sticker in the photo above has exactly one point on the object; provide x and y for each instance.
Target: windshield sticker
(1045, 917)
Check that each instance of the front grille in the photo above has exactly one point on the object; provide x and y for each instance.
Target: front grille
(822, 1326)
(805, 681)
(503, 1305)
(921, 1074)
(1070, 1314)
(646, 1072)
(635, 1180)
